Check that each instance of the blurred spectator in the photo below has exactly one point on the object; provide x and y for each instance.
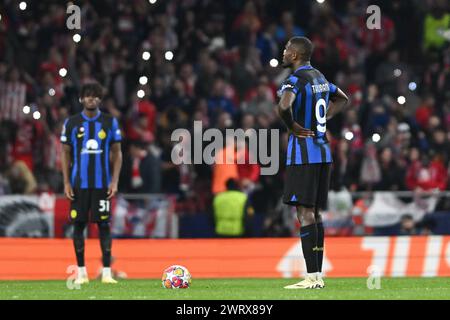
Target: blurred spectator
(21, 178)
(424, 112)
(426, 175)
(247, 167)
(12, 96)
(436, 22)
(218, 100)
(248, 19)
(225, 167)
(392, 175)
(27, 135)
(440, 144)
(287, 29)
(232, 212)
(261, 100)
(407, 226)
(346, 167)
(141, 172)
(370, 168)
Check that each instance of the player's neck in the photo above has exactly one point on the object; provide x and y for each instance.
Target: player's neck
(300, 64)
(91, 113)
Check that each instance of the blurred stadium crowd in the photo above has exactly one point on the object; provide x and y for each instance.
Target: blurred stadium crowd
(166, 63)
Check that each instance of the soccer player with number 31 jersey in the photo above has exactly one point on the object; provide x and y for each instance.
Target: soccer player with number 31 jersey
(91, 163)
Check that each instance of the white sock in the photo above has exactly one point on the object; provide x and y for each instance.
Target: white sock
(82, 272)
(319, 275)
(311, 275)
(106, 272)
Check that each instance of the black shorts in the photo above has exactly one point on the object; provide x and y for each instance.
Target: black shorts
(91, 201)
(307, 185)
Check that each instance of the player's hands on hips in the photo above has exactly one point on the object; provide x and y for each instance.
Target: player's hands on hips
(301, 132)
(112, 190)
(68, 191)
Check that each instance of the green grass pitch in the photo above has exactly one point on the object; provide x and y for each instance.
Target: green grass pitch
(230, 289)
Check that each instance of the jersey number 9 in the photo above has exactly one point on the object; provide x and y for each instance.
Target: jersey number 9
(321, 115)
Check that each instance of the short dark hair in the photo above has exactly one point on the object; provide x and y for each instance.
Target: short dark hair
(232, 184)
(304, 47)
(93, 89)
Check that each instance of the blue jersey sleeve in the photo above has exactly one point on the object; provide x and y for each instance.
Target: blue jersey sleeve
(115, 131)
(333, 88)
(65, 133)
(290, 84)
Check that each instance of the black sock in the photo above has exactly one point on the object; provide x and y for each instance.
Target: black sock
(78, 242)
(320, 244)
(105, 243)
(308, 235)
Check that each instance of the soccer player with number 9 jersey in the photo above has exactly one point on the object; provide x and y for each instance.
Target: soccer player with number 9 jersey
(307, 101)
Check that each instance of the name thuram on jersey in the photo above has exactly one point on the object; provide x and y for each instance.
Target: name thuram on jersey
(312, 92)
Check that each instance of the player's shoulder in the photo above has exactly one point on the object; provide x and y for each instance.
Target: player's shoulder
(73, 120)
(294, 79)
(107, 118)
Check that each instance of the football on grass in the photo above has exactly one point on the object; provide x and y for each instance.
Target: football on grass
(176, 277)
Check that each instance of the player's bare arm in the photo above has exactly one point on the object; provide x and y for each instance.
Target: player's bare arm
(337, 103)
(65, 164)
(116, 159)
(285, 113)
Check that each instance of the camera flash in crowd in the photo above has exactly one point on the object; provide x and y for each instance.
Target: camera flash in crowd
(36, 115)
(141, 94)
(168, 55)
(143, 80)
(376, 137)
(273, 63)
(63, 72)
(51, 92)
(76, 37)
(26, 109)
(348, 135)
(401, 100)
(23, 5)
(412, 86)
(152, 1)
(146, 55)
(320, 1)
(397, 73)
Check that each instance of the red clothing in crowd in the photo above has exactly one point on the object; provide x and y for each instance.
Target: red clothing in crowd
(149, 109)
(248, 170)
(426, 177)
(423, 114)
(28, 133)
(376, 40)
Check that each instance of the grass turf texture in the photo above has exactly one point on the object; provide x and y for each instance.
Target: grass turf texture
(230, 289)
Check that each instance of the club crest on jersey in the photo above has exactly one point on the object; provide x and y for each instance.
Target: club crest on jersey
(102, 134)
(91, 147)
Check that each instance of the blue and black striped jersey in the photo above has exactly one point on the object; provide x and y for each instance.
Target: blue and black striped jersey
(309, 110)
(90, 139)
